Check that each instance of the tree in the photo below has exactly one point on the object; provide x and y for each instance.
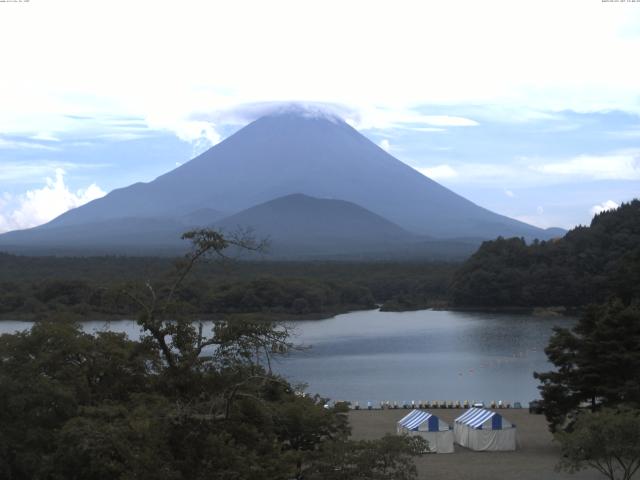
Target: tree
(49, 376)
(179, 404)
(588, 264)
(597, 362)
(176, 336)
(608, 441)
(389, 458)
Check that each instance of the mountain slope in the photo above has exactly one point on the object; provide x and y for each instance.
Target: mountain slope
(295, 225)
(275, 156)
(130, 235)
(301, 224)
(289, 153)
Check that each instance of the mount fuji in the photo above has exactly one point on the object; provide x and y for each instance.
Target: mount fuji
(315, 166)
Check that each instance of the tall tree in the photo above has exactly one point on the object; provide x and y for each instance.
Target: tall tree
(596, 362)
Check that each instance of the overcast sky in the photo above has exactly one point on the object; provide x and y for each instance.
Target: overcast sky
(529, 108)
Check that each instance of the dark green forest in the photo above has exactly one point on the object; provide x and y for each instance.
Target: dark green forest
(37, 287)
(588, 265)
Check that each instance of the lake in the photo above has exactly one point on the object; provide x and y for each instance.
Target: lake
(403, 356)
(423, 355)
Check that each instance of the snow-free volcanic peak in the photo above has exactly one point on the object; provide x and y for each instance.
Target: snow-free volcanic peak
(290, 151)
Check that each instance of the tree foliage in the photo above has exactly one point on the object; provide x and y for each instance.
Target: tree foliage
(181, 403)
(48, 287)
(597, 361)
(389, 457)
(49, 376)
(588, 265)
(608, 441)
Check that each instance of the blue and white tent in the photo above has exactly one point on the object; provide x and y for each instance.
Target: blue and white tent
(431, 428)
(480, 429)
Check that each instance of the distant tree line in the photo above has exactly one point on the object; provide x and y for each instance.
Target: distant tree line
(588, 265)
(32, 288)
(263, 295)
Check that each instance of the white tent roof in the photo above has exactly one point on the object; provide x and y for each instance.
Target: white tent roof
(416, 418)
(476, 418)
(431, 428)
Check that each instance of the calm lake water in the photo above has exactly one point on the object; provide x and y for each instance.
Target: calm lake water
(403, 356)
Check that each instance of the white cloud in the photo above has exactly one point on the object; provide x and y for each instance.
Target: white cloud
(633, 132)
(201, 134)
(380, 118)
(123, 136)
(45, 136)
(427, 129)
(33, 171)
(490, 174)
(603, 207)
(439, 172)
(190, 130)
(446, 121)
(624, 165)
(526, 172)
(360, 117)
(509, 193)
(385, 145)
(18, 145)
(39, 206)
(445, 53)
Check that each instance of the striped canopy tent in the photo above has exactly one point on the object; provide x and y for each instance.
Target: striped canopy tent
(428, 426)
(480, 429)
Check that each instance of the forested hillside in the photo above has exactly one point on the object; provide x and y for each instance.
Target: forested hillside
(588, 265)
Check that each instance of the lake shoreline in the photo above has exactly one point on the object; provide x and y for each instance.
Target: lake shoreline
(554, 311)
(256, 316)
(557, 311)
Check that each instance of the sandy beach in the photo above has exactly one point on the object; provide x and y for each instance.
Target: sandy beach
(535, 458)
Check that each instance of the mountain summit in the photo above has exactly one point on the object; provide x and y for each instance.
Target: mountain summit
(289, 153)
